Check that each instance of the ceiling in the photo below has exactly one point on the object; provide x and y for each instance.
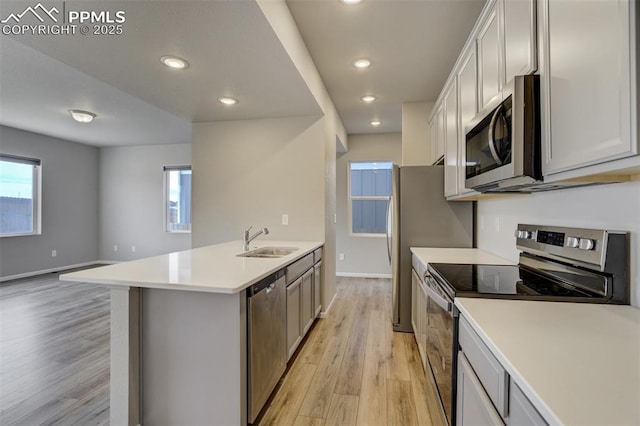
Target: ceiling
(232, 51)
(413, 45)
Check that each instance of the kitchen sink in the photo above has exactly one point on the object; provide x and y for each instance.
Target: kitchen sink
(269, 252)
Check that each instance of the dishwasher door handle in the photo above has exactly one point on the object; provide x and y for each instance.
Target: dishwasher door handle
(270, 288)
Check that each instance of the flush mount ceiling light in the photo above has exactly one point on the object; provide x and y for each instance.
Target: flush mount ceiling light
(225, 100)
(350, 2)
(362, 63)
(82, 116)
(376, 123)
(368, 98)
(174, 62)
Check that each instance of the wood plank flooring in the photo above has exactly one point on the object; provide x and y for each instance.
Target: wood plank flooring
(354, 370)
(54, 353)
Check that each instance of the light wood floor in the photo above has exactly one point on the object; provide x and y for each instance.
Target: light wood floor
(354, 370)
(351, 369)
(54, 353)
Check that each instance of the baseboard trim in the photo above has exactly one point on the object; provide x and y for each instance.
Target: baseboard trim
(361, 275)
(325, 313)
(50, 270)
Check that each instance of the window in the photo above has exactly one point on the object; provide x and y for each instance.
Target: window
(178, 198)
(19, 196)
(369, 192)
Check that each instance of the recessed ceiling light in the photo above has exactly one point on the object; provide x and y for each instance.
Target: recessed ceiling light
(350, 2)
(368, 98)
(174, 62)
(82, 116)
(362, 63)
(227, 100)
(376, 123)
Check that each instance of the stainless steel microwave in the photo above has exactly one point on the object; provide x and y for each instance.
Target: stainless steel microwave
(503, 152)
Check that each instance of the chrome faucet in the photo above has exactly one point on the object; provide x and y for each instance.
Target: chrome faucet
(248, 238)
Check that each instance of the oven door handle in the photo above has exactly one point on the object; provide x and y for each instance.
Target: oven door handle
(437, 299)
(492, 137)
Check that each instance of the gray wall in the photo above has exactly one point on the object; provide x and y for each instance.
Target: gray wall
(132, 201)
(69, 205)
(250, 172)
(363, 256)
(615, 207)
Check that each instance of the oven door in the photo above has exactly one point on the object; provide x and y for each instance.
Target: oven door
(440, 339)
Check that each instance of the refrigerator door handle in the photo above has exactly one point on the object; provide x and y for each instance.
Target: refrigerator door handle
(389, 226)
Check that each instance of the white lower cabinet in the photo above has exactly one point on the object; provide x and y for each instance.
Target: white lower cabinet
(474, 407)
(419, 315)
(486, 395)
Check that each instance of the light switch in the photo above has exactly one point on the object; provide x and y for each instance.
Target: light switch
(341, 256)
(285, 219)
(54, 253)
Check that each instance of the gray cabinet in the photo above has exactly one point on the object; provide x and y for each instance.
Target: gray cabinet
(587, 83)
(294, 329)
(307, 312)
(317, 285)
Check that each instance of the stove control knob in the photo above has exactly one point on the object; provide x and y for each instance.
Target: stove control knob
(573, 242)
(587, 244)
(527, 235)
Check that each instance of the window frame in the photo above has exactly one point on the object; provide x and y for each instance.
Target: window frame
(36, 194)
(350, 199)
(167, 185)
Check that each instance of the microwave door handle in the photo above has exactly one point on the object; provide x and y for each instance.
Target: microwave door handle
(492, 140)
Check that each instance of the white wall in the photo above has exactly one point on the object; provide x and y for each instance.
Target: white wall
(132, 201)
(250, 172)
(69, 205)
(363, 256)
(615, 207)
(415, 133)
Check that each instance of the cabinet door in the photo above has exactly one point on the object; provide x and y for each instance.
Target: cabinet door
(294, 331)
(586, 83)
(440, 133)
(467, 107)
(422, 320)
(519, 17)
(489, 58)
(306, 301)
(414, 303)
(317, 285)
(521, 411)
(433, 140)
(451, 139)
(473, 405)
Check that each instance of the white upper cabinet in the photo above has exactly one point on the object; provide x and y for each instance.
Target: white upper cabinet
(467, 107)
(450, 109)
(437, 134)
(519, 21)
(490, 68)
(586, 76)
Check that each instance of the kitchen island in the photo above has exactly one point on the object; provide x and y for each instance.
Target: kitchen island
(179, 332)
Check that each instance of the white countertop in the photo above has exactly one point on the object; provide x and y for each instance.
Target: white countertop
(213, 269)
(457, 255)
(578, 363)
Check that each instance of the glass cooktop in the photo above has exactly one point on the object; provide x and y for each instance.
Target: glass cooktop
(467, 280)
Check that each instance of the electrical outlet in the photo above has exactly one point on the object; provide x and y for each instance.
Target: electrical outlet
(496, 224)
(335, 218)
(115, 247)
(54, 253)
(133, 249)
(341, 256)
(285, 219)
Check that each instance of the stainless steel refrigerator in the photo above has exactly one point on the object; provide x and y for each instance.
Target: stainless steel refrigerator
(419, 216)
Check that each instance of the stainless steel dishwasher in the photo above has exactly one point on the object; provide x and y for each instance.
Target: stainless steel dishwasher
(267, 350)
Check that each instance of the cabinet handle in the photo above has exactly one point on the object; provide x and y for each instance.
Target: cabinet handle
(270, 288)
